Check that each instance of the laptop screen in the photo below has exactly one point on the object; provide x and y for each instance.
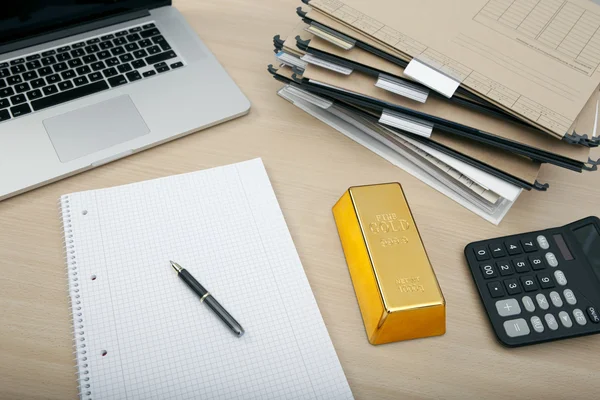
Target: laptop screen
(26, 18)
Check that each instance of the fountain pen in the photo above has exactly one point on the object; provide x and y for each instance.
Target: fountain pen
(208, 299)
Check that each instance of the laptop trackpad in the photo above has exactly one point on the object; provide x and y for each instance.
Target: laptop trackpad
(93, 128)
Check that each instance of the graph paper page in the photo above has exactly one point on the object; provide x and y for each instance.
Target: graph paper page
(145, 333)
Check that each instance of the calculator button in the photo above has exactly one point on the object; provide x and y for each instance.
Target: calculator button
(508, 307)
(528, 303)
(546, 281)
(560, 277)
(543, 242)
(528, 245)
(552, 261)
(512, 286)
(513, 247)
(536, 262)
(570, 297)
(497, 250)
(482, 253)
(565, 319)
(529, 284)
(593, 314)
(536, 322)
(516, 327)
(542, 301)
(488, 271)
(505, 268)
(579, 317)
(551, 321)
(521, 265)
(556, 300)
(496, 289)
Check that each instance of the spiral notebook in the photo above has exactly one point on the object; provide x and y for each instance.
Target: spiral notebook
(140, 333)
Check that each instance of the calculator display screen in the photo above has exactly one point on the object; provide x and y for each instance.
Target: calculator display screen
(589, 239)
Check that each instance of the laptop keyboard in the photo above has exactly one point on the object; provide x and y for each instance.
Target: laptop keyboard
(45, 79)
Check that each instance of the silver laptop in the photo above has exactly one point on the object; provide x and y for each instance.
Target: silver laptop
(83, 83)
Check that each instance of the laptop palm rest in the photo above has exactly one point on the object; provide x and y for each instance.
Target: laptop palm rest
(93, 128)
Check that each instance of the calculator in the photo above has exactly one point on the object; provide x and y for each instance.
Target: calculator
(540, 286)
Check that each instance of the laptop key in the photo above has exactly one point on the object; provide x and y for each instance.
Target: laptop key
(48, 61)
(48, 70)
(92, 41)
(149, 73)
(69, 95)
(140, 53)
(161, 57)
(22, 87)
(3, 65)
(17, 61)
(163, 68)
(38, 83)
(134, 37)
(4, 115)
(97, 66)
(117, 80)
(165, 46)
(76, 62)
(48, 90)
(136, 29)
(122, 33)
(33, 64)
(125, 58)
(95, 76)
(53, 79)
(107, 37)
(6, 92)
(78, 45)
(13, 80)
(131, 47)
(68, 74)
(63, 49)
(106, 45)
(103, 55)
(120, 41)
(77, 53)
(133, 76)
(112, 61)
(92, 49)
(21, 109)
(4, 103)
(153, 50)
(48, 53)
(178, 64)
(34, 94)
(138, 63)
(145, 43)
(89, 59)
(61, 66)
(149, 33)
(66, 85)
(117, 51)
(80, 80)
(2, 83)
(84, 70)
(63, 57)
(32, 57)
(4, 73)
(17, 69)
(18, 99)
(124, 68)
(148, 26)
(110, 72)
(29, 75)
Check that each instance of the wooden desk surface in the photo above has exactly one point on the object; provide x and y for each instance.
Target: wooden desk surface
(310, 166)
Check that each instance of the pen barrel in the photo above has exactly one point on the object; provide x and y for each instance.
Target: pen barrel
(224, 315)
(192, 283)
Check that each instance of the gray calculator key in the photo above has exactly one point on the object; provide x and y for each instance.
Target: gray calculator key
(556, 300)
(570, 297)
(536, 322)
(560, 277)
(508, 307)
(565, 319)
(579, 317)
(528, 303)
(551, 321)
(543, 242)
(542, 301)
(551, 259)
(516, 327)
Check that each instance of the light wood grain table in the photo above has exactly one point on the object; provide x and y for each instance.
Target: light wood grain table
(310, 166)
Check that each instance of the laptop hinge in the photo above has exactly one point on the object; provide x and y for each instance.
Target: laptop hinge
(74, 30)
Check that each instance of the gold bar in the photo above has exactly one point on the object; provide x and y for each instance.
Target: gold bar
(396, 288)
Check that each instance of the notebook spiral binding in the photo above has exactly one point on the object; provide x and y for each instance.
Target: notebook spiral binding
(79, 346)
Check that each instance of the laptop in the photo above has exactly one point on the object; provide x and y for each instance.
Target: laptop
(86, 82)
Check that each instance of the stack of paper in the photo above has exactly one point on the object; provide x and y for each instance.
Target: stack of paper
(471, 97)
